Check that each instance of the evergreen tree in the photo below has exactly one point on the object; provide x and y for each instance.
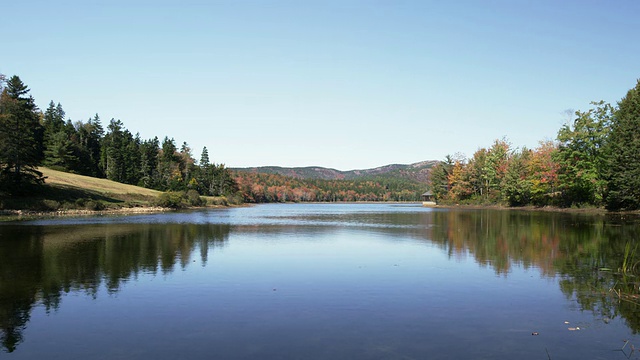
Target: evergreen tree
(132, 158)
(222, 182)
(204, 173)
(20, 138)
(439, 178)
(624, 154)
(53, 120)
(186, 164)
(170, 176)
(90, 136)
(120, 156)
(204, 158)
(149, 150)
(60, 153)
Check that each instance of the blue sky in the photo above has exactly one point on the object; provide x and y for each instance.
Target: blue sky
(341, 84)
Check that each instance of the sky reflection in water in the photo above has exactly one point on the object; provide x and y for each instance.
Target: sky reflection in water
(314, 281)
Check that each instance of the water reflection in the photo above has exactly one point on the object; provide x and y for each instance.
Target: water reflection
(586, 251)
(38, 264)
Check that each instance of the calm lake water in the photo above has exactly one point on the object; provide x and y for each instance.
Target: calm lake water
(317, 281)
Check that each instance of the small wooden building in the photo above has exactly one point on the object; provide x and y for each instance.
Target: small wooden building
(428, 199)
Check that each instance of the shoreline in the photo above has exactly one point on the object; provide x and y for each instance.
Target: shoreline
(11, 215)
(588, 210)
(18, 215)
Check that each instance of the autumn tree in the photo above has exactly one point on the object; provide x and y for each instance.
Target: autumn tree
(543, 174)
(459, 180)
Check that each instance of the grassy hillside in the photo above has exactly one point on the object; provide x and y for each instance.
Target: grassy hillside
(64, 191)
(101, 186)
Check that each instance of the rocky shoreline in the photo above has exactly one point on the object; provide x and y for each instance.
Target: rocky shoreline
(28, 214)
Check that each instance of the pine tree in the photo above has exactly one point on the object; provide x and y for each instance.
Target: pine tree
(204, 158)
(439, 178)
(91, 135)
(60, 153)
(53, 120)
(112, 159)
(149, 150)
(20, 145)
(58, 149)
(168, 168)
(623, 190)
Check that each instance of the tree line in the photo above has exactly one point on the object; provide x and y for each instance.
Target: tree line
(595, 161)
(264, 188)
(84, 264)
(30, 138)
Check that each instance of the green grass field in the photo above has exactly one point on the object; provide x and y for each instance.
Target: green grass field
(105, 187)
(65, 191)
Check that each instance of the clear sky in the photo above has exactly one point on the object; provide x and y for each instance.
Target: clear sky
(341, 84)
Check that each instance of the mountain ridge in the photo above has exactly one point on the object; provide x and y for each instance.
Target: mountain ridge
(418, 171)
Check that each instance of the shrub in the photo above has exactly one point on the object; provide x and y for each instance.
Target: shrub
(94, 205)
(171, 199)
(194, 199)
(50, 204)
(235, 199)
(219, 200)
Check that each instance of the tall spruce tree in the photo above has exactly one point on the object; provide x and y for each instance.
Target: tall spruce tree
(20, 138)
(53, 120)
(112, 161)
(439, 178)
(623, 190)
(204, 157)
(149, 150)
(90, 136)
(204, 172)
(59, 151)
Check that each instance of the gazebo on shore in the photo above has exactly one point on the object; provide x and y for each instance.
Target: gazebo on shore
(428, 199)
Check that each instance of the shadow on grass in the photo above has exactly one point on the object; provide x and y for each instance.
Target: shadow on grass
(59, 197)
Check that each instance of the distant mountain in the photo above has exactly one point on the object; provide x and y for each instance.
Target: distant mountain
(416, 172)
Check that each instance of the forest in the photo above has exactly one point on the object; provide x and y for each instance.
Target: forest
(30, 138)
(264, 188)
(594, 162)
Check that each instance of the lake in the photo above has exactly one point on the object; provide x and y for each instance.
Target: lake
(321, 281)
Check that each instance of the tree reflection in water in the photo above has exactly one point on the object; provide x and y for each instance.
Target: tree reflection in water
(586, 253)
(39, 264)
